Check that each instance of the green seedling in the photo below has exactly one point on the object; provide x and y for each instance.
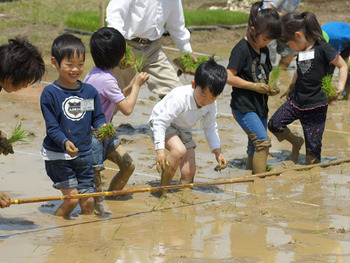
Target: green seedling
(138, 65)
(18, 135)
(269, 168)
(121, 247)
(161, 202)
(336, 188)
(129, 59)
(35, 249)
(186, 63)
(328, 88)
(105, 132)
(341, 168)
(116, 231)
(274, 76)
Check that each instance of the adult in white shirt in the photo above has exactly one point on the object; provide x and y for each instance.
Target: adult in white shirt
(142, 23)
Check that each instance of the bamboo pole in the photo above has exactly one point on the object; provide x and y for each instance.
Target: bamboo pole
(244, 179)
(130, 191)
(302, 167)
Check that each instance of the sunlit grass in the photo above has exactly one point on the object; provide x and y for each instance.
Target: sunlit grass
(215, 17)
(90, 21)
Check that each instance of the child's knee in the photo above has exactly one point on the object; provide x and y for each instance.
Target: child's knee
(274, 127)
(179, 153)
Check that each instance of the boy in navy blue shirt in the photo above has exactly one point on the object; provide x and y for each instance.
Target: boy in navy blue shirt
(70, 108)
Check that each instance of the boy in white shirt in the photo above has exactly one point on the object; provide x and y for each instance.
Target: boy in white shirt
(176, 114)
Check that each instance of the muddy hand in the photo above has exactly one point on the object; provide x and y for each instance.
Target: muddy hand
(194, 57)
(5, 146)
(222, 162)
(262, 88)
(5, 200)
(141, 78)
(71, 149)
(273, 91)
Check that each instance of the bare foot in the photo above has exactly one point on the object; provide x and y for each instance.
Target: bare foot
(294, 156)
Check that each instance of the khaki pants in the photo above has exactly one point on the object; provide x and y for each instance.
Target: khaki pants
(163, 77)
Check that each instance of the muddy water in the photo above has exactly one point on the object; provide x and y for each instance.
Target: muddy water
(296, 217)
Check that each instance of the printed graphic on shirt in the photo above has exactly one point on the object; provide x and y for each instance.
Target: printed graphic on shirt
(259, 71)
(305, 59)
(305, 66)
(72, 108)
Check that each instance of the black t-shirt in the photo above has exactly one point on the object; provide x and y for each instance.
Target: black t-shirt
(253, 67)
(312, 67)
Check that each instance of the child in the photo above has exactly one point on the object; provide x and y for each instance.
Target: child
(248, 72)
(21, 64)
(70, 108)
(306, 100)
(176, 114)
(339, 38)
(107, 48)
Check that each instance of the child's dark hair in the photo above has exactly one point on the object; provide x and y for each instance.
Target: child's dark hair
(20, 62)
(305, 22)
(212, 75)
(107, 47)
(67, 45)
(266, 22)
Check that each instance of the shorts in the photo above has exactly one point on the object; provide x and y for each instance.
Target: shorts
(185, 136)
(77, 173)
(100, 151)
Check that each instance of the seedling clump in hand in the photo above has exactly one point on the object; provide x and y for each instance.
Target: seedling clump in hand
(105, 132)
(187, 65)
(328, 88)
(274, 75)
(131, 60)
(18, 135)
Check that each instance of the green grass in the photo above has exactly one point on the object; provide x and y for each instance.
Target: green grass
(214, 17)
(90, 20)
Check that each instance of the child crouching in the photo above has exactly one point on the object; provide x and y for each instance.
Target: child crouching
(176, 114)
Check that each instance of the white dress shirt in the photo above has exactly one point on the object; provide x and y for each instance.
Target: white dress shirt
(147, 19)
(180, 108)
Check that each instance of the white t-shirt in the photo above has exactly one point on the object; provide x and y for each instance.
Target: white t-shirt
(180, 108)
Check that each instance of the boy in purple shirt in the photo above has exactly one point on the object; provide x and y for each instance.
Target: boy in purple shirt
(107, 47)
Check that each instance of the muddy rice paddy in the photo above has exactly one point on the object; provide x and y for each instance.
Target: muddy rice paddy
(299, 216)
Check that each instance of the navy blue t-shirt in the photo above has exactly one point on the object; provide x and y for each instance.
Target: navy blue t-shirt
(252, 67)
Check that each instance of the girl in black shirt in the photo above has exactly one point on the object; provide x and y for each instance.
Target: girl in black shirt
(306, 100)
(248, 72)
